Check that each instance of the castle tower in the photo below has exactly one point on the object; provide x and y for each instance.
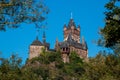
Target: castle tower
(72, 42)
(71, 28)
(35, 48)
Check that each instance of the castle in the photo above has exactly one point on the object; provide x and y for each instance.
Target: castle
(71, 43)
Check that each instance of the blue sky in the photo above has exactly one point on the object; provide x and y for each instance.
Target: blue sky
(89, 14)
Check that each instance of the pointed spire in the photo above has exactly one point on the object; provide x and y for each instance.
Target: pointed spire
(44, 37)
(78, 26)
(65, 25)
(37, 33)
(84, 43)
(71, 22)
(83, 40)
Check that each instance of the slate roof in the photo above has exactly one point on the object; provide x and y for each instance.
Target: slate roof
(64, 44)
(71, 42)
(46, 44)
(36, 42)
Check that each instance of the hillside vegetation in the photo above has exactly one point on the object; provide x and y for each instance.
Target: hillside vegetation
(49, 66)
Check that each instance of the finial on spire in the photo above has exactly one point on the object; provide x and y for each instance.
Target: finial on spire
(37, 33)
(44, 37)
(71, 15)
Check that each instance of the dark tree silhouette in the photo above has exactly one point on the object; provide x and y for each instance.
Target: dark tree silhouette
(111, 32)
(15, 12)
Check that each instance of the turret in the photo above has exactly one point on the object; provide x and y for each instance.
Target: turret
(57, 45)
(44, 38)
(35, 48)
(78, 28)
(65, 27)
(84, 44)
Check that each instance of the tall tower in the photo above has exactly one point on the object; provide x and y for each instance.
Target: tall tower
(35, 48)
(73, 30)
(72, 42)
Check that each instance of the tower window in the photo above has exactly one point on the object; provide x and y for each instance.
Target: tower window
(66, 49)
(63, 49)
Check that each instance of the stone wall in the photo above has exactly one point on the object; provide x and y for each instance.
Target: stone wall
(35, 51)
(74, 32)
(65, 58)
(82, 53)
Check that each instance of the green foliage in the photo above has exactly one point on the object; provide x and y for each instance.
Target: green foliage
(49, 65)
(47, 57)
(15, 12)
(102, 67)
(111, 32)
(74, 58)
(10, 68)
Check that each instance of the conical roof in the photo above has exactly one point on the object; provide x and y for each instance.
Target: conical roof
(36, 42)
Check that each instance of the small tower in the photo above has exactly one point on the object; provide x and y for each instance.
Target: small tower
(35, 48)
(65, 27)
(78, 28)
(57, 48)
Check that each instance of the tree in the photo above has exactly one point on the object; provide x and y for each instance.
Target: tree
(111, 32)
(10, 69)
(15, 12)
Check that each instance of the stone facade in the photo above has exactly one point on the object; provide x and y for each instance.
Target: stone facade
(35, 51)
(72, 42)
(37, 46)
(71, 28)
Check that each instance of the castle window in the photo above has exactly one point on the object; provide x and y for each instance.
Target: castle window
(66, 49)
(63, 49)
